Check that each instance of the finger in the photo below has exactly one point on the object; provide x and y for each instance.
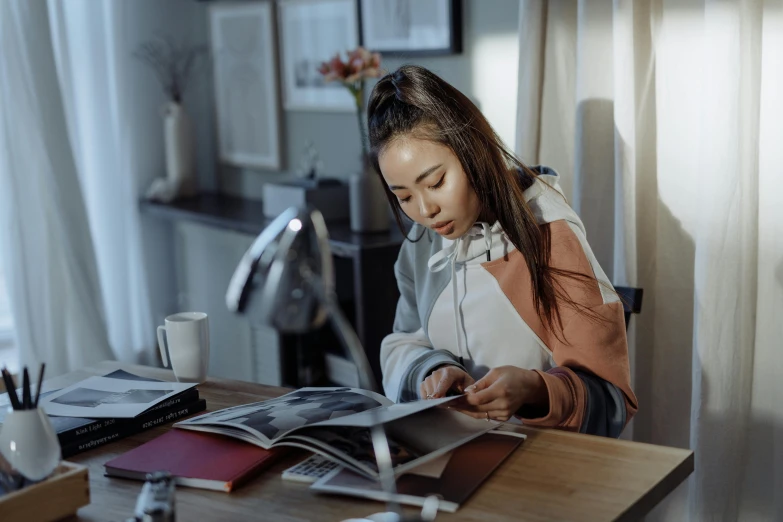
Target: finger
(495, 415)
(443, 385)
(497, 404)
(482, 384)
(425, 388)
(463, 381)
(485, 396)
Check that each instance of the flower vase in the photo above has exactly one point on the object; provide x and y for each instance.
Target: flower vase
(180, 164)
(29, 444)
(368, 201)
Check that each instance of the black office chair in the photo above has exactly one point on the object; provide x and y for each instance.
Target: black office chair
(632, 301)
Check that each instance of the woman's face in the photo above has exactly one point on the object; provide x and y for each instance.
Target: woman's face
(430, 185)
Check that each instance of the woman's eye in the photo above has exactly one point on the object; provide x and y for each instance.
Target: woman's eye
(440, 182)
(404, 200)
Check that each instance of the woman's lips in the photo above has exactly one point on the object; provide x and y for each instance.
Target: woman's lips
(445, 228)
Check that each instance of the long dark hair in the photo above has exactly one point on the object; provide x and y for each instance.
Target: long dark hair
(412, 101)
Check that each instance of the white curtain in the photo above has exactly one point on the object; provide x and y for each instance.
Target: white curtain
(92, 64)
(665, 118)
(81, 140)
(46, 243)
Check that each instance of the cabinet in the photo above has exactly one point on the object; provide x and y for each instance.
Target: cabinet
(365, 283)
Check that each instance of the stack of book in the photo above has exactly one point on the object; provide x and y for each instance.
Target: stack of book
(81, 433)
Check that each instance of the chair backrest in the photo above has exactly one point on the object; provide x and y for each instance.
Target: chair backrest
(632, 301)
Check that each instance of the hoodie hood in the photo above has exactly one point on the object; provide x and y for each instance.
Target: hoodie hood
(546, 199)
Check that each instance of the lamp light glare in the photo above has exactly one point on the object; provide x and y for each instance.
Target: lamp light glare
(295, 225)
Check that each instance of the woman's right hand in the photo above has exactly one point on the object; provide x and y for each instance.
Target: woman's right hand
(444, 379)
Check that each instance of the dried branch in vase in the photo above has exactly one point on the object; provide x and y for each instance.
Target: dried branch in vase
(172, 64)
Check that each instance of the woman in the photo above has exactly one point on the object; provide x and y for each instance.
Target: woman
(501, 296)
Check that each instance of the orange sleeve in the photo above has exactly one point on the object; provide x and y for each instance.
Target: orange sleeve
(589, 345)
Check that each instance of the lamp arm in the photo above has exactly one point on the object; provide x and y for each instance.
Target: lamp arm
(350, 340)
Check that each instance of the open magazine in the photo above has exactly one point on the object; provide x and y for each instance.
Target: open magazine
(336, 422)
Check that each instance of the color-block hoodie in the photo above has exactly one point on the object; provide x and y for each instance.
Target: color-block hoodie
(469, 303)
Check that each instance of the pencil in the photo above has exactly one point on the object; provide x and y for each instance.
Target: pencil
(11, 387)
(25, 389)
(40, 380)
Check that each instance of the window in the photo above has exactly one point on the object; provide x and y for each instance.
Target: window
(9, 356)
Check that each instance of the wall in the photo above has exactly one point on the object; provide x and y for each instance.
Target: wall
(486, 71)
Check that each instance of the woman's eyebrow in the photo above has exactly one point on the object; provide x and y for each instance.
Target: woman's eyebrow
(420, 177)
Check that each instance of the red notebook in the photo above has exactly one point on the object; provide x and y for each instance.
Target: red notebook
(195, 459)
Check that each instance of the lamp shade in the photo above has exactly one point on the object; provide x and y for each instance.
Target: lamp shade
(282, 277)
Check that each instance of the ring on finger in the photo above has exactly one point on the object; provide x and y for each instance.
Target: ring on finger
(487, 416)
(429, 396)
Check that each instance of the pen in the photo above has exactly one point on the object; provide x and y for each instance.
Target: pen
(25, 389)
(11, 388)
(40, 380)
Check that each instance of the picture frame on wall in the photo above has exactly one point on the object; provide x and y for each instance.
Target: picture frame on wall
(246, 83)
(312, 32)
(411, 27)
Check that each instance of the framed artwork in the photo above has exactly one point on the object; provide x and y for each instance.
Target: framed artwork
(313, 31)
(246, 83)
(411, 27)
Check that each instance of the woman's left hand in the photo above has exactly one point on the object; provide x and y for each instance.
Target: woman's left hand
(502, 392)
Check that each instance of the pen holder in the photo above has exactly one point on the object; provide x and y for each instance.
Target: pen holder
(29, 443)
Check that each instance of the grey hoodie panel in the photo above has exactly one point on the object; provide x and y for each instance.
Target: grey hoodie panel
(411, 266)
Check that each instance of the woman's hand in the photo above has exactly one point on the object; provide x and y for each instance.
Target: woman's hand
(502, 392)
(442, 380)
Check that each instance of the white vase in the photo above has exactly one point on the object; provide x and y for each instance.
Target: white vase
(29, 443)
(369, 204)
(178, 139)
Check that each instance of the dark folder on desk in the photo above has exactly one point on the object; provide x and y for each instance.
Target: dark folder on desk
(469, 466)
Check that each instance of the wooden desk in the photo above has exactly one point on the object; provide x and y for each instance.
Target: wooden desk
(552, 476)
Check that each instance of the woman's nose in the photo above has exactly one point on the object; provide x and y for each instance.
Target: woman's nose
(427, 208)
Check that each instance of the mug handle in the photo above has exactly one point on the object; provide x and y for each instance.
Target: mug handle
(162, 345)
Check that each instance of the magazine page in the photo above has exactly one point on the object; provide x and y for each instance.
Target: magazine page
(107, 397)
(349, 446)
(270, 420)
(342, 481)
(387, 413)
(415, 439)
(433, 433)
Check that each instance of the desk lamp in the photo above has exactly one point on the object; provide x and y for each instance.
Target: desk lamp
(290, 265)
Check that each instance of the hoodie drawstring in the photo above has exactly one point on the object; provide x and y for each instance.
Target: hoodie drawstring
(449, 255)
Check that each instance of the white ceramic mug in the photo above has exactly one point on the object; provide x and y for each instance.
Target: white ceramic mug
(187, 339)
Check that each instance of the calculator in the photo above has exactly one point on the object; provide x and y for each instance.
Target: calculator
(310, 469)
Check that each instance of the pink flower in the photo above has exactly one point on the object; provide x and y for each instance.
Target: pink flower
(360, 65)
